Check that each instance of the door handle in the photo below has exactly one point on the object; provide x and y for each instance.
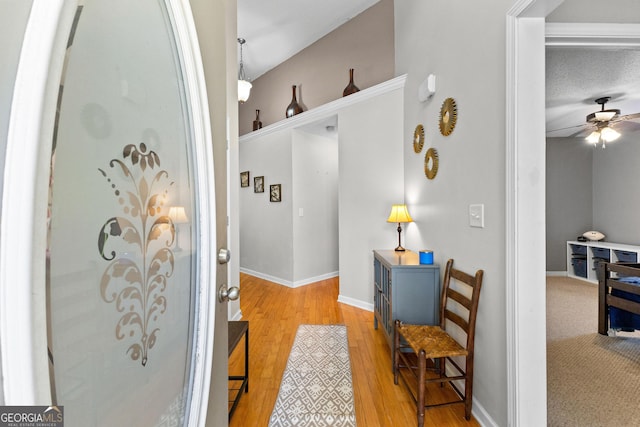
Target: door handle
(230, 294)
(224, 255)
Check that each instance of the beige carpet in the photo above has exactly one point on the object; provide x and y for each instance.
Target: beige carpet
(592, 380)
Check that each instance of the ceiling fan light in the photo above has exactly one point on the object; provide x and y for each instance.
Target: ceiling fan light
(609, 134)
(594, 137)
(605, 116)
(244, 89)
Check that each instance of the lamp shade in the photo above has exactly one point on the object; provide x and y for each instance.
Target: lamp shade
(178, 215)
(594, 137)
(607, 134)
(399, 213)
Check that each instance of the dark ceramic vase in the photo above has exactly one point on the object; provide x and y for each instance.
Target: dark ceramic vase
(257, 124)
(293, 108)
(351, 87)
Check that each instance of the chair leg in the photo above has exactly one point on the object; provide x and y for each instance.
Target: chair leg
(396, 348)
(422, 370)
(468, 389)
(441, 368)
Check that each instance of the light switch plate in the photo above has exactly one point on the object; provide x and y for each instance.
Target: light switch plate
(476, 216)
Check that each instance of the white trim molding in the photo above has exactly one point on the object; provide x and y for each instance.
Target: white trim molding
(592, 34)
(355, 303)
(289, 283)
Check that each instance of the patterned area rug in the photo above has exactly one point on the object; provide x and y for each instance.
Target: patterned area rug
(316, 389)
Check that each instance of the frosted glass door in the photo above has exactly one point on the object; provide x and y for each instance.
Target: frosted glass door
(122, 271)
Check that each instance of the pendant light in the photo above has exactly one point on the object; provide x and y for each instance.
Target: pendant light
(244, 87)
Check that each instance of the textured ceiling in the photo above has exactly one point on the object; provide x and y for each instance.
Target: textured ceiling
(576, 76)
(275, 30)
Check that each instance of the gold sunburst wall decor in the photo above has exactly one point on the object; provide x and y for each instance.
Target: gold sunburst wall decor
(448, 116)
(418, 138)
(431, 163)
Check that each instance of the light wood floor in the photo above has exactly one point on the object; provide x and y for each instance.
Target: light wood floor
(274, 313)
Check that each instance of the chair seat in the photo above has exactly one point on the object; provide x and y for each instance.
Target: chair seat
(433, 340)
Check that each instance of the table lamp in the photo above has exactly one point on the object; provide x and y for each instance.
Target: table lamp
(399, 214)
(178, 216)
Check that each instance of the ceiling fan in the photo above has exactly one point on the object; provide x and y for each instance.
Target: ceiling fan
(602, 123)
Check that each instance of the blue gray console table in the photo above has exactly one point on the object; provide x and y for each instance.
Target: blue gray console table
(404, 289)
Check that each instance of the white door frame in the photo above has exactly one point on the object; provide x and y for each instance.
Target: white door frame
(23, 222)
(525, 213)
(525, 193)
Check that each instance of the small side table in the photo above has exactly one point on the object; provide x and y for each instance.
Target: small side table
(238, 329)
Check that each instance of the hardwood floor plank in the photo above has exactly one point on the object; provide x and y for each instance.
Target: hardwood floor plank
(274, 313)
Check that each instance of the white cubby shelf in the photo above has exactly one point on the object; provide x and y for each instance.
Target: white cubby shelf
(583, 257)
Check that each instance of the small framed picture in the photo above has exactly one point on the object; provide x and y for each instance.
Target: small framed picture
(244, 179)
(274, 194)
(258, 184)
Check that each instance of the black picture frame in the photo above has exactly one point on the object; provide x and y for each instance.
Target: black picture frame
(244, 179)
(275, 193)
(258, 184)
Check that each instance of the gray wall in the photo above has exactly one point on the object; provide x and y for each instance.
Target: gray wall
(321, 71)
(266, 228)
(315, 191)
(371, 180)
(616, 201)
(463, 44)
(568, 196)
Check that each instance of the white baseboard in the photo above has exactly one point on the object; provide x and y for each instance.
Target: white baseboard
(236, 316)
(355, 303)
(557, 273)
(481, 415)
(310, 280)
(289, 283)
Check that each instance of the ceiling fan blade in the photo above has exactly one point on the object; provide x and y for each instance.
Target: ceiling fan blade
(626, 126)
(581, 133)
(627, 117)
(569, 127)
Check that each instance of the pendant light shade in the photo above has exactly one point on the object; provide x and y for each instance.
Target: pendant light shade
(244, 86)
(244, 89)
(608, 134)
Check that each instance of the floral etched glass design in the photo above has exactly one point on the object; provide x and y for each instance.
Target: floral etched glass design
(122, 272)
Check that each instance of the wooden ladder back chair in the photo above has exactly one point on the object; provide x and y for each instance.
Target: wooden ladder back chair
(434, 343)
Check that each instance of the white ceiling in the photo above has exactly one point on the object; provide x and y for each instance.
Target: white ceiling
(576, 76)
(275, 30)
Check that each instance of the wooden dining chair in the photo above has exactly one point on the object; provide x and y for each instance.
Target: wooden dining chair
(454, 338)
